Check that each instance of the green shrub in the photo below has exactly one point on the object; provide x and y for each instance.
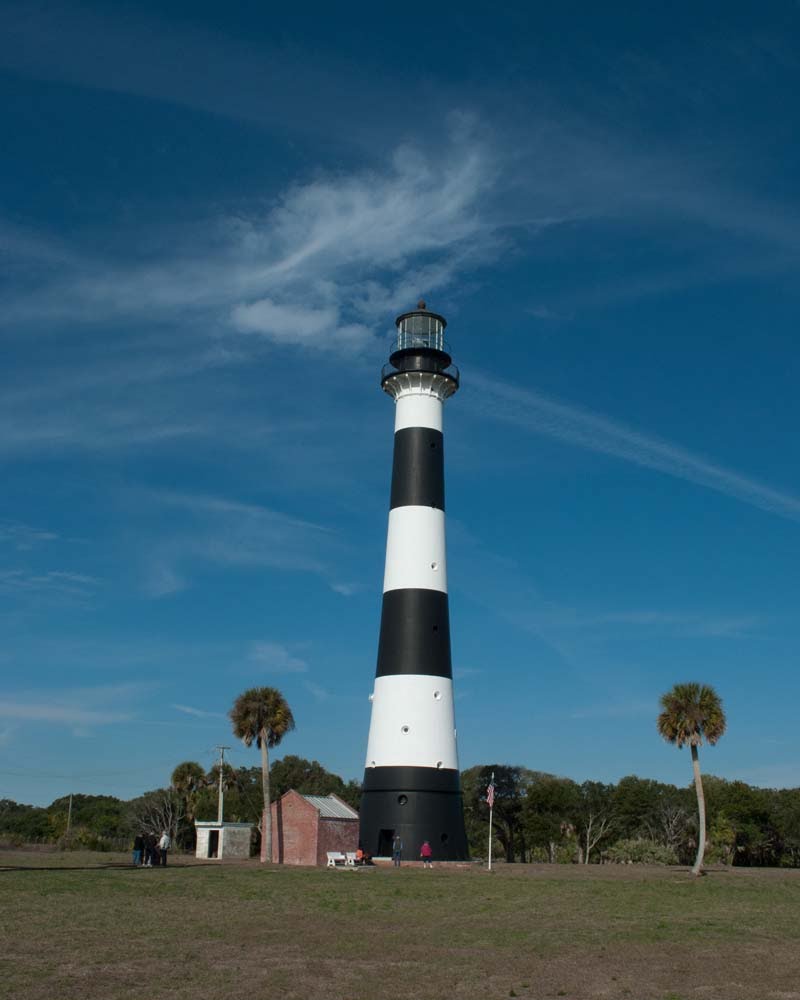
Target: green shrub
(642, 851)
(83, 839)
(11, 840)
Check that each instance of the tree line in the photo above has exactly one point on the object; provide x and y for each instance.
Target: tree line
(538, 817)
(104, 822)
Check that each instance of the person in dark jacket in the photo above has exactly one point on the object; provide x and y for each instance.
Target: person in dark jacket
(397, 850)
(138, 847)
(149, 849)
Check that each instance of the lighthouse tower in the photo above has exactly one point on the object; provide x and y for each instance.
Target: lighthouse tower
(411, 780)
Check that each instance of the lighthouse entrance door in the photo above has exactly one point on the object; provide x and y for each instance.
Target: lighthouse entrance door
(385, 838)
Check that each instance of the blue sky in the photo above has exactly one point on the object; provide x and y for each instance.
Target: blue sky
(209, 217)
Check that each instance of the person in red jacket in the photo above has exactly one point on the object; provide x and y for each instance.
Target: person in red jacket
(426, 855)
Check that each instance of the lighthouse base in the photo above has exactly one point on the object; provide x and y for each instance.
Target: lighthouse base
(418, 804)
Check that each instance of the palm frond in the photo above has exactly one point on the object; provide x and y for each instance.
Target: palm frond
(261, 714)
(691, 714)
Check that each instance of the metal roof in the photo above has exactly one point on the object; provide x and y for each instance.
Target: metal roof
(331, 807)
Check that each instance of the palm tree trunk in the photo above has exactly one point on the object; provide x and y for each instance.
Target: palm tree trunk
(701, 814)
(266, 833)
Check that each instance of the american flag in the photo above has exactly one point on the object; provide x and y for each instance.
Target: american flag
(490, 793)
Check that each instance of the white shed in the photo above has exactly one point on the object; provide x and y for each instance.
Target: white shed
(222, 840)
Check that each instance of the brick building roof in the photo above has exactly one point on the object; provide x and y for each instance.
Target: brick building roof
(330, 807)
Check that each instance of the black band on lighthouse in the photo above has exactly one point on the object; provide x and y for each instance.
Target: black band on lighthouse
(402, 777)
(418, 468)
(415, 634)
(415, 804)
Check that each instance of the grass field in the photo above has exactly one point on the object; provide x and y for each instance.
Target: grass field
(71, 928)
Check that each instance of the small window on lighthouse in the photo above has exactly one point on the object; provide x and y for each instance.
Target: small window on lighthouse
(404, 730)
(434, 566)
(437, 695)
(438, 763)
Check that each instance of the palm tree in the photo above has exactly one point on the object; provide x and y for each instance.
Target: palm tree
(690, 714)
(262, 716)
(188, 779)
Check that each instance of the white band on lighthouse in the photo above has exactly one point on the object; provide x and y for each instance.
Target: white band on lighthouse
(418, 409)
(415, 550)
(413, 723)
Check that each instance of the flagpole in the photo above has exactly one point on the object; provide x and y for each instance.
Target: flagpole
(491, 810)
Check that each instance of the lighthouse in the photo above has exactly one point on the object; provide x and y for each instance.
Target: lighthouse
(412, 786)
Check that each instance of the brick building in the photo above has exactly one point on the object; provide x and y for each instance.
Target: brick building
(306, 827)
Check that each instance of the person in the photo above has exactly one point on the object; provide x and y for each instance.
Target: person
(138, 847)
(397, 850)
(149, 845)
(164, 845)
(426, 855)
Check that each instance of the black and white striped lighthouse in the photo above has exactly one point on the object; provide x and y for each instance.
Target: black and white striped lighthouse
(411, 780)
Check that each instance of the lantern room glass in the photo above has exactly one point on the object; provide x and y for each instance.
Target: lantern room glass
(420, 330)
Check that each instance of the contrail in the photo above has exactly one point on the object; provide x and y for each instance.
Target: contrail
(540, 415)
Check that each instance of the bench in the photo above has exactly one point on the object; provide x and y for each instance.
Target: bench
(350, 859)
(336, 858)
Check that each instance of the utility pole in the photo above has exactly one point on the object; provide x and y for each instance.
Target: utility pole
(222, 750)
(490, 800)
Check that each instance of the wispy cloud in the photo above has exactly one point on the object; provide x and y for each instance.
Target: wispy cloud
(616, 710)
(337, 251)
(539, 414)
(228, 532)
(293, 323)
(198, 713)
(80, 707)
(550, 618)
(346, 589)
(162, 579)
(94, 425)
(466, 671)
(53, 583)
(323, 268)
(22, 536)
(167, 60)
(275, 658)
(318, 693)
(571, 635)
